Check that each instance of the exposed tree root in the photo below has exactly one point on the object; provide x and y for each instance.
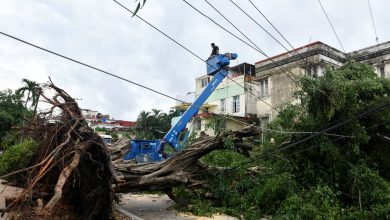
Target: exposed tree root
(72, 167)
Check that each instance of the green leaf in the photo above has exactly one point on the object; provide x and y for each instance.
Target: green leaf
(137, 9)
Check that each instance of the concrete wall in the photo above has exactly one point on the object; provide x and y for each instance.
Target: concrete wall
(281, 88)
(230, 124)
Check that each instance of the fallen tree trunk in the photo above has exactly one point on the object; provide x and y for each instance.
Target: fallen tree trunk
(184, 167)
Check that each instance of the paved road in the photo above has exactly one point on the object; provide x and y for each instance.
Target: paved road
(153, 207)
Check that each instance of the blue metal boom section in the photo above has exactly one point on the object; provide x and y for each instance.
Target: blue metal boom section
(216, 66)
(152, 150)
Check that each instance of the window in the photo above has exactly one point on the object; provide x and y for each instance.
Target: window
(198, 125)
(312, 70)
(264, 88)
(236, 103)
(382, 71)
(204, 81)
(223, 105)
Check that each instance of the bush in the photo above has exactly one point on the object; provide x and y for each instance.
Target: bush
(223, 158)
(18, 156)
(319, 202)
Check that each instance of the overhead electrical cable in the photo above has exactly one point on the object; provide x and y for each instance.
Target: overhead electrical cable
(331, 25)
(259, 25)
(166, 35)
(373, 23)
(259, 51)
(275, 28)
(89, 66)
(254, 44)
(272, 36)
(212, 6)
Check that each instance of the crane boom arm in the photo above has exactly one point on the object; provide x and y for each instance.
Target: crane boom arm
(217, 66)
(153, 150)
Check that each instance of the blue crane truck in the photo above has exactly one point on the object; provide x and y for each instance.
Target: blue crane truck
(153, 150)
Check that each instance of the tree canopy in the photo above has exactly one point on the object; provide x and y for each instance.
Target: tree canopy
(12, 111)
(154, 124)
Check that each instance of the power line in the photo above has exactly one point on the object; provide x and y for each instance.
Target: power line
(372, 19)
(276, 29)
(259, 51)
(265, 30)
(238, 38)
(249, 41)
(334, 31)
(181, 45)
(161, 32)
(212, 6)
(90, 66)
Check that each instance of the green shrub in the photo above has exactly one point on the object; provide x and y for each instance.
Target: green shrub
(18, 156)
(223, 158)
(319, 202)
(369, 186)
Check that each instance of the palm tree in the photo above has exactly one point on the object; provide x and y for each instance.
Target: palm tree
(142, 124)
(34, 92)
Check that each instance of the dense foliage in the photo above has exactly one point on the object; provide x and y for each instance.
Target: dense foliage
(16, 152)
(12, 111)
(341, 175)
(18, 156)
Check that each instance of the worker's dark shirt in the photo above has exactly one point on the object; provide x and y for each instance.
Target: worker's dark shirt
(215, 51)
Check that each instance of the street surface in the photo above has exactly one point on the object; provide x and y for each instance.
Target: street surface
(153, 207)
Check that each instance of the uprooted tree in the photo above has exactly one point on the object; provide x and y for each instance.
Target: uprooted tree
(72, 168)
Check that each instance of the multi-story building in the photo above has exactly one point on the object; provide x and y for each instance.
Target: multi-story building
(252, 93)
(277, 75)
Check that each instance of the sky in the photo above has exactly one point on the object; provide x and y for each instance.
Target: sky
(104, 35)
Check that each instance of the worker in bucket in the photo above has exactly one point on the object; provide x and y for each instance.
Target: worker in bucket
(215, 50)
